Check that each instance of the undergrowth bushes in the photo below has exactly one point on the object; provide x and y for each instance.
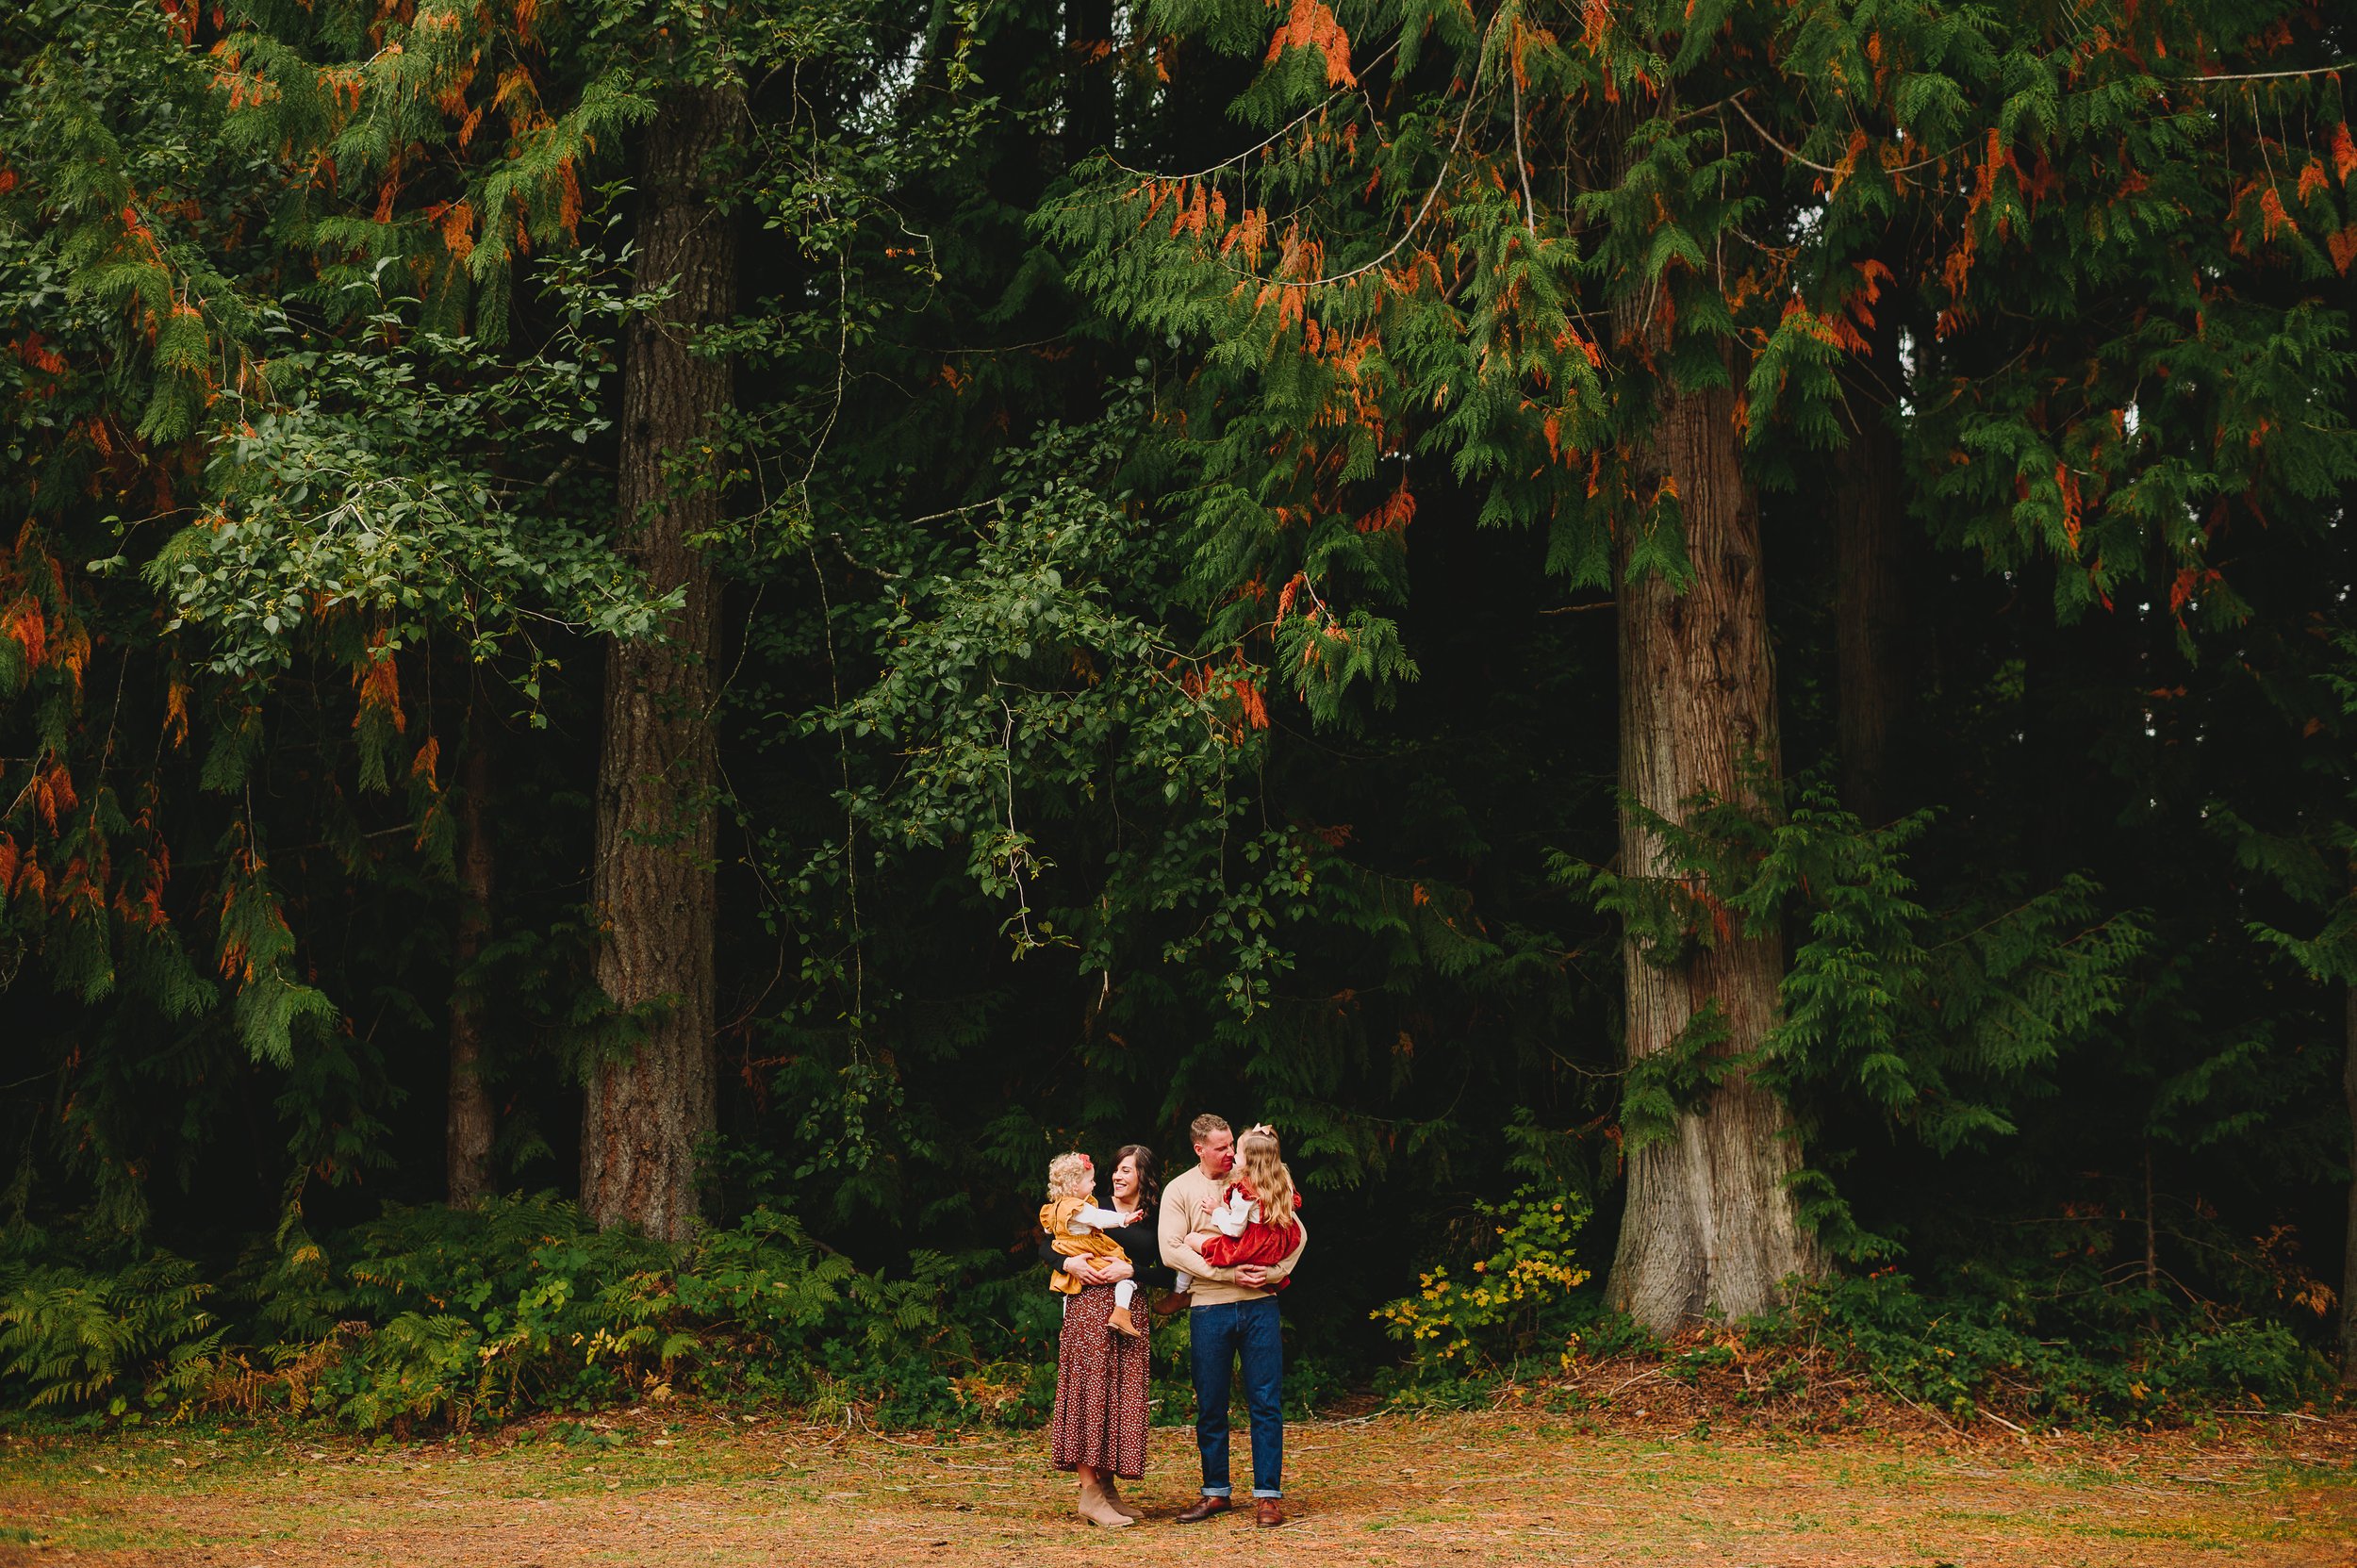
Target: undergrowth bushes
(69, 1338)
(1507, 1306)
(428, 1316)
(1506, 1300)
(2051, 1362)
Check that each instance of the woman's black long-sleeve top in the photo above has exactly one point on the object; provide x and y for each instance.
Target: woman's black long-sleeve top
(1142, 1243)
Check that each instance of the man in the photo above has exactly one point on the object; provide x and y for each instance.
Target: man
(1231, 1314)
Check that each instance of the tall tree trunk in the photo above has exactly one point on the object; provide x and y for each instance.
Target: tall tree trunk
(2349, 1255)
(647, 1104)
(1710, 1229)
(471, 1124)
(1870, 608)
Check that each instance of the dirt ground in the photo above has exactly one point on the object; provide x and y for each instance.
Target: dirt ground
(656, 1488)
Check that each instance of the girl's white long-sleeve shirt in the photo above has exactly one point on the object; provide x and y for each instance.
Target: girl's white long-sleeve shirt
(1234, 1213)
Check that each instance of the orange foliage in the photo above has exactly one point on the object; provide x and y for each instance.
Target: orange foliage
(1955, 272)
(457, 226)
(343, 86)
(1250, 232)
(1248, 698)
(1310, 24)
(69, 651)
(1398, 509)
(1237, 681)
(520, 98)
(1192, 211)
(1833, 331)
(135, 229)
(2343, 247)
(51, 791)
(176, 713)
(2276, 219)
(2344, 152)
(1595, 18)
(379, 681)
(1873, 275)
(2189, 581)
(1849, 154)
(148, 908)
(28, 628)
(45, 361)
(452, 100)
(1985, 183)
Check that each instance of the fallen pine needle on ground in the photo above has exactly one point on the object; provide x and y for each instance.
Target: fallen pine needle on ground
(651, 1486)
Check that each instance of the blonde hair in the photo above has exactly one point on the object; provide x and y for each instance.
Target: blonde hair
(1263, 1164)
(1069, 1175)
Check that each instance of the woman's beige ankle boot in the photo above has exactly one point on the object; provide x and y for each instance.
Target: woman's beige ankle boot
(1097, 1511)
(1113, 1500)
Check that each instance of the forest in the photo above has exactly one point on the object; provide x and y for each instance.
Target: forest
(1707, 647)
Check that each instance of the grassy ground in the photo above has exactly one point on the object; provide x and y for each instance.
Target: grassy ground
(649, 1487)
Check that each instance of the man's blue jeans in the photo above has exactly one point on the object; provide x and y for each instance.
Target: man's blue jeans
(1218, 1336)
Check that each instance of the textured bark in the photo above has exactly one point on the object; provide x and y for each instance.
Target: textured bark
(1869, 606)
(471, 1123)
(2349, 1256)
(1710, 1230)
(649, 1103)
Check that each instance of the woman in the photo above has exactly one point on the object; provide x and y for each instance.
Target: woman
(1098, 1430)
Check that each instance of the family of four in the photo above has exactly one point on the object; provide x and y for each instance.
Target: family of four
(1229, 1228)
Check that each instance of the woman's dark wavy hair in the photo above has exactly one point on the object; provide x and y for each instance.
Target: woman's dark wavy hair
(1150, 1186)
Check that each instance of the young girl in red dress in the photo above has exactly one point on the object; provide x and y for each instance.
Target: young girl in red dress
(1254, 1222)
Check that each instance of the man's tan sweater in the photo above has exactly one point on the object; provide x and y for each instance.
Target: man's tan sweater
(1187, 1205)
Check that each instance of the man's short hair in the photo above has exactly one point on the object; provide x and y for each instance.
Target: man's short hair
(1200, 1129)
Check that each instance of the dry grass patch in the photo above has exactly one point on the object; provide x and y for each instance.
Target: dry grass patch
(648, 1487)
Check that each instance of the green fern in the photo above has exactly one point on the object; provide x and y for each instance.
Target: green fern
(71, 1338)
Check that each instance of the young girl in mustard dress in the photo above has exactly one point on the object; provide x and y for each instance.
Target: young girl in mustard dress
(1076, 1227)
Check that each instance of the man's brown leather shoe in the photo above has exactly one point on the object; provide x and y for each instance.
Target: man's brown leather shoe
(1267, 1512)
(1204, 1509)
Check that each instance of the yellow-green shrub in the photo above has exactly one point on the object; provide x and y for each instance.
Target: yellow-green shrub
(1500, 1306)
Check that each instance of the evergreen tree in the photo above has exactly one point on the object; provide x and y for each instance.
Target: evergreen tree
(1746, 603)
(1609, 264)
(646, 1107)
(259, 268)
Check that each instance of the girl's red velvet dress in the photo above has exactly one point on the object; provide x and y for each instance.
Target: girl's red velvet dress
(1261, 1243)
